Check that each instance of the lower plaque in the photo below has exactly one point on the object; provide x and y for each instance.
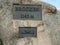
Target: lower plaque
(27, 31)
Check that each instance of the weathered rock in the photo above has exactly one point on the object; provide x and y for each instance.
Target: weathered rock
(48, 29)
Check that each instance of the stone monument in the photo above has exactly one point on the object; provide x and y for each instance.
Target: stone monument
(29, 29)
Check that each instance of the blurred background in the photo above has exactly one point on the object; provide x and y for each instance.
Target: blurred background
(56, 3)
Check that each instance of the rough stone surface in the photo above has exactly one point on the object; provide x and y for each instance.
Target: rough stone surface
(48, 29)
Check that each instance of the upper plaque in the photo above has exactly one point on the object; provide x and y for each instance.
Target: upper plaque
(27, 12)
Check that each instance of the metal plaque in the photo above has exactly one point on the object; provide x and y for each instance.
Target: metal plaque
(27, 31)
(27, 12)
